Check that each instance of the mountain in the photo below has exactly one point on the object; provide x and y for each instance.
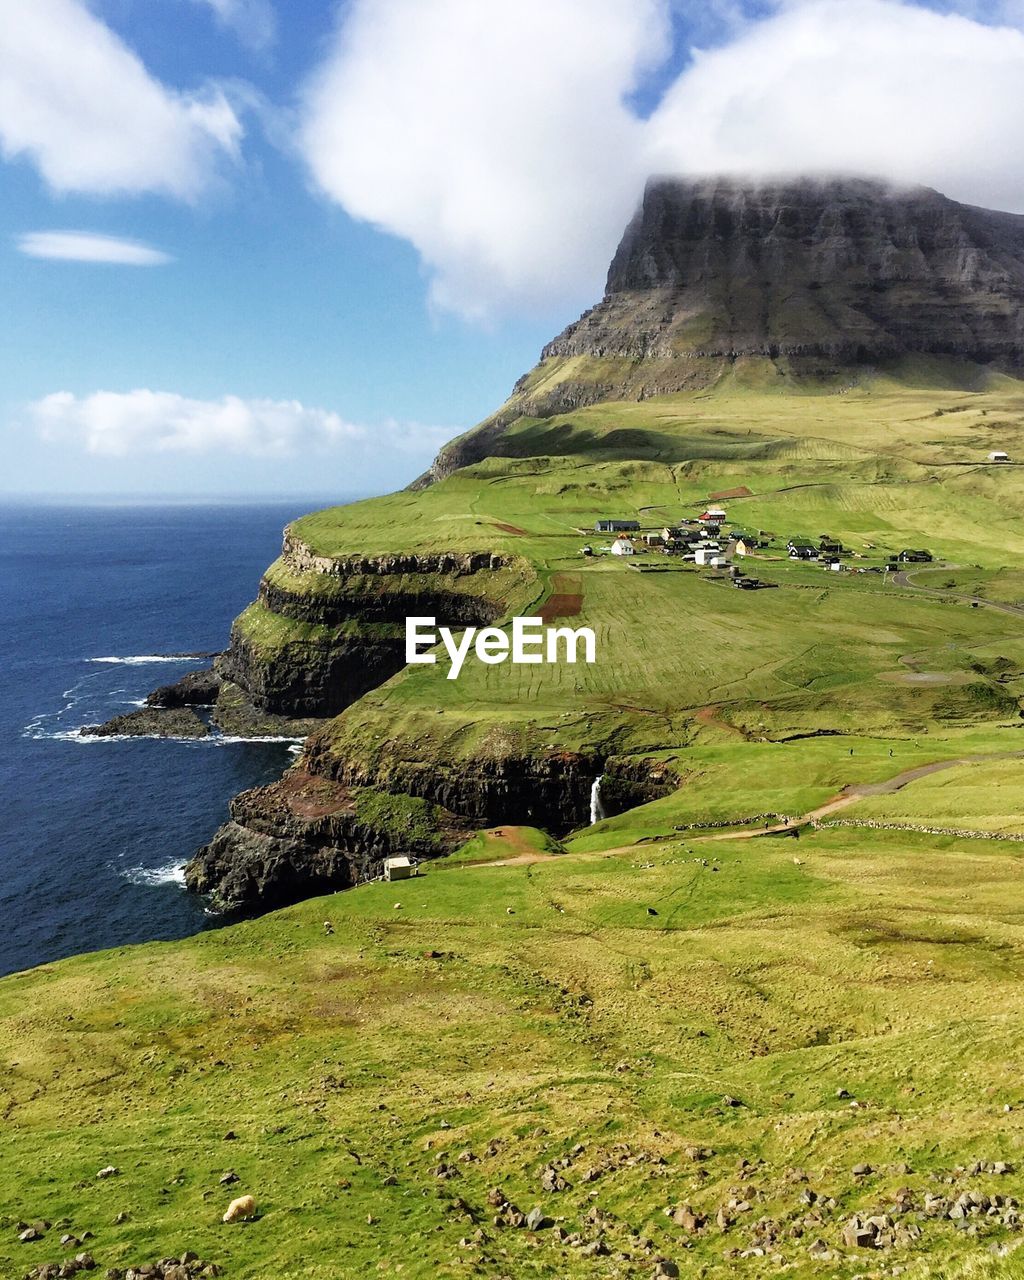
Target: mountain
(816, 278)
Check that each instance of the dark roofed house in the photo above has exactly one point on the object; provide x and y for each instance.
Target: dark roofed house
(617, 526)
(915, 557)
(801, 550)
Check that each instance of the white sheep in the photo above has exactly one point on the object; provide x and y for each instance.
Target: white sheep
(238, 1210)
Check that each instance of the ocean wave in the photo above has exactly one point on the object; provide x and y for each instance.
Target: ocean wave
(212, 740)
(145, 659)
(151, 877)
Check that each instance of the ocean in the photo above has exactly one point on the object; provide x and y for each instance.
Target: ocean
(94, 832)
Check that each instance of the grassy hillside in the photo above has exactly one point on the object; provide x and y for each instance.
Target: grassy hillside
(687, 1023)
(681, 1007)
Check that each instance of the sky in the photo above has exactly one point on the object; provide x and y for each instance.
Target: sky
(289, 247)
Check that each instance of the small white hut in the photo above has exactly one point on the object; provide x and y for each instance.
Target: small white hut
(622, 547)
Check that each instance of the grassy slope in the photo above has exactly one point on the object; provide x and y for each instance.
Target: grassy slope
(890, 967)
(614, 994)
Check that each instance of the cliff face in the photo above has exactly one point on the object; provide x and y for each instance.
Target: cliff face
(306, 835)
(331, 821)
(323, 631)
(815, 276)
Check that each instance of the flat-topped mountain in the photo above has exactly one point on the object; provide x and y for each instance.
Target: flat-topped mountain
(817, 277)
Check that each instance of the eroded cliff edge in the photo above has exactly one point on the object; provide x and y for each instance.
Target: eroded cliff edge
(324, 632)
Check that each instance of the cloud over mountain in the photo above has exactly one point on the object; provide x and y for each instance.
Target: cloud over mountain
(503, 143)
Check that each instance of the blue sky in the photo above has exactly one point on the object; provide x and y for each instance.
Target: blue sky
(371, 216)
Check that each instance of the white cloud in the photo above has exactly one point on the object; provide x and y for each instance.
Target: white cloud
(500, 142)
(493, 136)
(121, 424)
(865, 86)
(253, 21)
(80, 105)
(85, 246)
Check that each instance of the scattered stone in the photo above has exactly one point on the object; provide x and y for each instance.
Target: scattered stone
(683, 1216)
(861, 1170)
(536, 1220)
(730, 1101)
(666, 1268)
(227, 1179)
(551, 1180)
(858, 1234)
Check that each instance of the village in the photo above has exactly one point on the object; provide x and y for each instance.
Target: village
(712, 542)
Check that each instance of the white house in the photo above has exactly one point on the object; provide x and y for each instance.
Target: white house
(710, 556)
(622, 547)
(997, 455)
(400, 868)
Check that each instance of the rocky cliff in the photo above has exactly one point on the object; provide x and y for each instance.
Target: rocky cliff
(324, 630)
(307, 835)
(814, 276)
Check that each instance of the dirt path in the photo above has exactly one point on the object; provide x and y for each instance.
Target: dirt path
(861, 791)
(711, 717)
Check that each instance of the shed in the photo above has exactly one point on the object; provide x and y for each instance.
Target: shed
(400, 868)
(997, 455)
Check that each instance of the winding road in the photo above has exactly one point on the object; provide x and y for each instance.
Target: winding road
(905, 579)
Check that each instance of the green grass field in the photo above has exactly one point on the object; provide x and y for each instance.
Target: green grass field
(671, 1007)
(506, 1016)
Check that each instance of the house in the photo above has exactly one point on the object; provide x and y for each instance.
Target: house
(829, 546)
(997, 455)
(711, 557)
(801, 550)
(744, 546)
(623, 547)
(400, 868)
(654, 540)
(670, 533)
(617, 526)
(915, 557)
(713, 515)
(834, 566)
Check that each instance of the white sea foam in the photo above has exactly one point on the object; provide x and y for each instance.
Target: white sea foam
(150, 877)
(145, 659)
(212, 740)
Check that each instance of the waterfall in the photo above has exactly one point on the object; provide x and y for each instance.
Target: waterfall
(596, 807)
